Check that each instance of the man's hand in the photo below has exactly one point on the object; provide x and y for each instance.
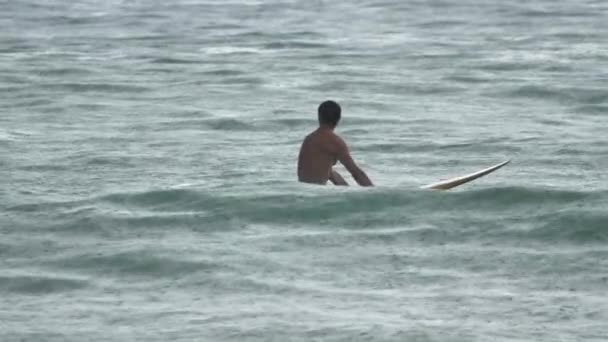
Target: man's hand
(336, 178)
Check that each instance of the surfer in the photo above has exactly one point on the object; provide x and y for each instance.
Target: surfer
(322, 148)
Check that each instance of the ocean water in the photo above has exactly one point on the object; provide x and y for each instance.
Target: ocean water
(148, 188)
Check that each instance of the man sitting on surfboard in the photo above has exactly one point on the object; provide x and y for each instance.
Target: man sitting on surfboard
(322, 148)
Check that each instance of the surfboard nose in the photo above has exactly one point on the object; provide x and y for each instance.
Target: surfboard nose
(456, 181)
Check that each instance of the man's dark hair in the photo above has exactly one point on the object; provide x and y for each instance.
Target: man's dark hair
(329, 113)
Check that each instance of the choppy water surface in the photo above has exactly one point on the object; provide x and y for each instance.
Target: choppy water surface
(147, 154)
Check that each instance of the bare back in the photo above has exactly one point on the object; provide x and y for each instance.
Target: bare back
(320, 151)
(318, 154)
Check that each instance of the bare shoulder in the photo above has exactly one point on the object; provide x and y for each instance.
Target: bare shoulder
(308, 138)
(339, 143)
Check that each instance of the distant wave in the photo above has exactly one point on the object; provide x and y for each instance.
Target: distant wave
(224, 72)
(98, 87)
(593, 109)
(62, 71)
(587, 96)
(140, 263)
(552, 14)
(228, 124)
(212, 123)
(294, 45)
(191, 198)
(30, 284)
(173, 60)
(527, 213)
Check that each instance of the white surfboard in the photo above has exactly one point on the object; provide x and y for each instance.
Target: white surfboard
(453, 182)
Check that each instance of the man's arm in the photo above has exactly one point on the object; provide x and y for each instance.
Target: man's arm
(336, 178)
(345, 158)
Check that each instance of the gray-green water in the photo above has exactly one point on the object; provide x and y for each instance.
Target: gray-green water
(147, 171)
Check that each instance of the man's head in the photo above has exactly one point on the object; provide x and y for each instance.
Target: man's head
(329, 114)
